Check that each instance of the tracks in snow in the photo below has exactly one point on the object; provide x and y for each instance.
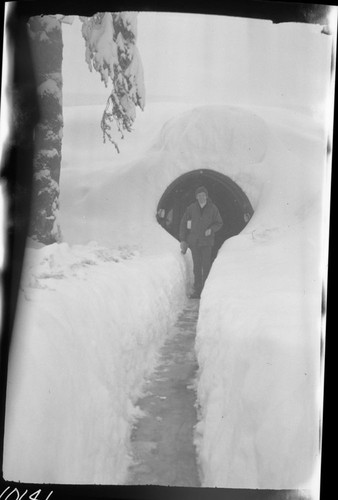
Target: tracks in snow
(162, 440)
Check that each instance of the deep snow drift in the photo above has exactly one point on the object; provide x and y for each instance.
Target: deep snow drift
(98, 323)
(258, 346)
(89, 327)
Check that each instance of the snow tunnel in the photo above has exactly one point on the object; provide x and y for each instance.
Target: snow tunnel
(231, 201)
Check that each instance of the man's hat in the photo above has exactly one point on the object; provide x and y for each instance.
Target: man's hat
(201, 189)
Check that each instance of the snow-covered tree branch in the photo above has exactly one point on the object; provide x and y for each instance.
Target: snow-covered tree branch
(112, 52)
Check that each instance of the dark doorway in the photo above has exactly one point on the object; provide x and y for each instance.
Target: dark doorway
(232, 203)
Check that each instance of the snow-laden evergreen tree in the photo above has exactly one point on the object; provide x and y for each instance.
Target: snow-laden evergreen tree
(111, 50)
(46, 41)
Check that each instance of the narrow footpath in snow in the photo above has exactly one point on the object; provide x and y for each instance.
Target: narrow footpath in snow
(162, 440)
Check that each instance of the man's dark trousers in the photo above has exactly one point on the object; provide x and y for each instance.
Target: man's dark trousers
(201, 257)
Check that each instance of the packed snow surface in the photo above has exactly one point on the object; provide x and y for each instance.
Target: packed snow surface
(93, 315)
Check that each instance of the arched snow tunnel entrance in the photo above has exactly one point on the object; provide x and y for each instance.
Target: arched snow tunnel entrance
(233, 204)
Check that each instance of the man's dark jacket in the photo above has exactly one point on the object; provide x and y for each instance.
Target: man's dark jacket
(200, 219)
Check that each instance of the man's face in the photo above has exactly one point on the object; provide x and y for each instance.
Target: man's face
(201, 198)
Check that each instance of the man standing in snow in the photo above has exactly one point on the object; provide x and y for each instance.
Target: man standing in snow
(197, 229)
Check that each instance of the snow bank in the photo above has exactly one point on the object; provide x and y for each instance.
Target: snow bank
(259, 328)
(92, 316)
(258, 341)
(259, 311)
(259, 149)
(258, 350)
(221, 138)
(90, 324)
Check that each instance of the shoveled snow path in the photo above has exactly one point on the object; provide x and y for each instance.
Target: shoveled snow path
(162, 440)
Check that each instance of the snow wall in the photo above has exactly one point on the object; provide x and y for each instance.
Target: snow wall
(258, 338)
(89, 327)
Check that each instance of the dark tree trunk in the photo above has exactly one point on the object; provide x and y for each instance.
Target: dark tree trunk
(46, 41)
